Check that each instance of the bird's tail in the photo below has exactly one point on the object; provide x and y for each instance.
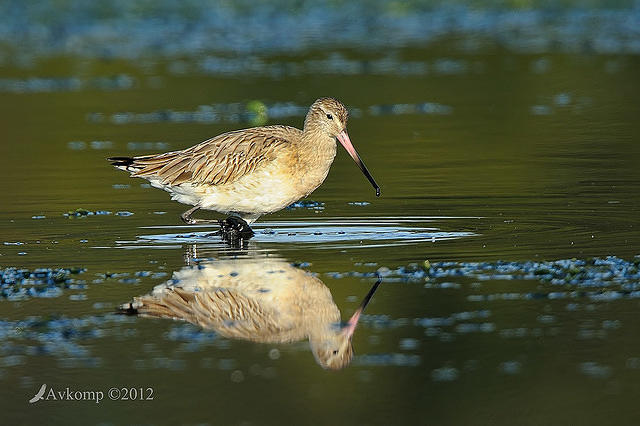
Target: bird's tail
(124, 163)
(173, 303)
(144, 165)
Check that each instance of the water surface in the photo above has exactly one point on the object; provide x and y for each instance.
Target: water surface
(498, 162)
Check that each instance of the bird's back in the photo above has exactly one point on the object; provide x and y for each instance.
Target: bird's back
(268, 301)
(220, 160)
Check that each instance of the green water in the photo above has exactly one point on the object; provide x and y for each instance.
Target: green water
(535, 158)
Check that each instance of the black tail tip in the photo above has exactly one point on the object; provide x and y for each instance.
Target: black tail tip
(120, 161)
(127, 309)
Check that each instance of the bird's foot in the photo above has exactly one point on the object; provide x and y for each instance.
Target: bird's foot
(190, 255)
(192, 221)
(234, 228)
(188, 220)
(186, 216)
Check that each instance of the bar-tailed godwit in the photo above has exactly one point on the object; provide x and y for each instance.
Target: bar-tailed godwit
(251, 172)
(261, 300)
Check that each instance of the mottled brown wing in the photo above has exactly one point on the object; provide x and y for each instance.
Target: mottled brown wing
(223, 310)
(217, 161)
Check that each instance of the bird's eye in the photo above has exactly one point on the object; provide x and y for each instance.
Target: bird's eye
(330, 117)
(335, 352)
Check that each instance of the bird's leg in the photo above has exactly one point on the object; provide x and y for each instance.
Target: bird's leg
(235, 228)
(190, 255)
(186, 217)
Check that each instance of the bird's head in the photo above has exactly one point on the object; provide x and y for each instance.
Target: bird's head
(332, 348)
(329, 116)
(333, 351)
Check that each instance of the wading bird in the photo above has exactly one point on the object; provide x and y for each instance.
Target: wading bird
(251, 172)
(261, 300)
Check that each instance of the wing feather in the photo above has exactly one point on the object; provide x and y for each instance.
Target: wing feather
(220, 160)
(227, 311)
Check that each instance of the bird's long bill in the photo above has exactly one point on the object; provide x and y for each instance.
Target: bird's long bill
(350, 328)
(343, 137)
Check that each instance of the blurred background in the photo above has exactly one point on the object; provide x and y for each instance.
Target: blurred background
(504, 135)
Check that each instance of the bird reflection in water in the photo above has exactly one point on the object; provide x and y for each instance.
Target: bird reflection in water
(264, 300)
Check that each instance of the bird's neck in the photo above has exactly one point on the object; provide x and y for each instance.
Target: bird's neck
(317, 145)
(322, 330)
